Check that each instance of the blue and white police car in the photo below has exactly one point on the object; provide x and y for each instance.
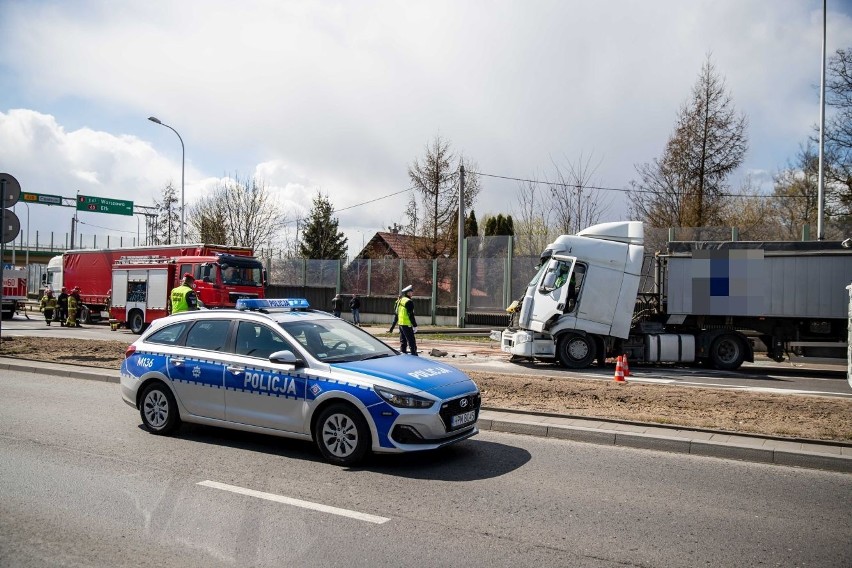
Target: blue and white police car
(278, 367)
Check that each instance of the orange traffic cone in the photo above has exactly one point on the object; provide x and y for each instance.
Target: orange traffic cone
(625, 367)
(619, 371)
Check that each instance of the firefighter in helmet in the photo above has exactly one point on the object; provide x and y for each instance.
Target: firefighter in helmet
(47, 305)
(74, 304)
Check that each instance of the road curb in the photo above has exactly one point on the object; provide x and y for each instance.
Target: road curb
(609, 433)
(752, 452)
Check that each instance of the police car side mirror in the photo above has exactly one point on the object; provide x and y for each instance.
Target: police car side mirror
(286, 357)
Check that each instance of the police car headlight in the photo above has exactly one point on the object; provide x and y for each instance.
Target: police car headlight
(402, 399)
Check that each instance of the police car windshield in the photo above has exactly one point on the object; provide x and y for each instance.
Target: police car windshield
(335, 341)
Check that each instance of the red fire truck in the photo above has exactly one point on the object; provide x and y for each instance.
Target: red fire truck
(14, 291)
(222, 275)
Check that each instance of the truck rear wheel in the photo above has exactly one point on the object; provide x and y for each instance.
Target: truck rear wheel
(85, 315)
(727, 352)
(575, 351)
(136, 322)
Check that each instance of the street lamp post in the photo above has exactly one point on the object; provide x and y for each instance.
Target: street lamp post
(182, 164)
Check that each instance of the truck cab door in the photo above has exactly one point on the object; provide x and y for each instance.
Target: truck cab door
(549, 297)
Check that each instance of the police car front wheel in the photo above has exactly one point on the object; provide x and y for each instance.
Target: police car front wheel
(158, 409)
(341, 434)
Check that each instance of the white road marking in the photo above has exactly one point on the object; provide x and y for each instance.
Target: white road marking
(738, 387)
(296, 502)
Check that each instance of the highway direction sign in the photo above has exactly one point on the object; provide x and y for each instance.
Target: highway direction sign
(104, 205)
(42, 198)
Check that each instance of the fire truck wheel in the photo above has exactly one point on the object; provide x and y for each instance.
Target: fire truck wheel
(85, 314)
(136, 323)
(575, 351)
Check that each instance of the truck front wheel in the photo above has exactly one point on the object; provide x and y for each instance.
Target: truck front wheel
(575, 351)
(727, 352)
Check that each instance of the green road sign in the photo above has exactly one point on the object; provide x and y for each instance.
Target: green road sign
(42, 198)
(104, 205)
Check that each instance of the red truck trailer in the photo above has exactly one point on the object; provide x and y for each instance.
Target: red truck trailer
(222, 274)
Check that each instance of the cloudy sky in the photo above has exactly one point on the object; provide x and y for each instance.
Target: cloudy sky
(342, 96)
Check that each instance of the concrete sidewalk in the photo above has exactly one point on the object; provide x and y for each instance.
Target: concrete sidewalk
(833, 456)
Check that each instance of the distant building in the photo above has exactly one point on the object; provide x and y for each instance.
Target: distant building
(389, 245)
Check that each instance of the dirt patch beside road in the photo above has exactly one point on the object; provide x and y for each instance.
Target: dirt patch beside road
(769, 414)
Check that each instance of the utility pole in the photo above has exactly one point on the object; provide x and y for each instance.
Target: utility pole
(821, 187)
(460, 307)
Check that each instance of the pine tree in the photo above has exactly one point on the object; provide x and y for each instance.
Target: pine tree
(165, 228)
(499, 225)
(433, 210)
(471, 227)
(685, 187)
(321, 238)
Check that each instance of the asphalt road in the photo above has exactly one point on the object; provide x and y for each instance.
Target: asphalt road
(765, 376)
(83, 484)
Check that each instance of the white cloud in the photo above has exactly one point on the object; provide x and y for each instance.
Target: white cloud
(341, 97)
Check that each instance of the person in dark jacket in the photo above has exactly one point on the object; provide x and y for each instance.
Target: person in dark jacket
(355, 306)
(61, 312)
(337, 305)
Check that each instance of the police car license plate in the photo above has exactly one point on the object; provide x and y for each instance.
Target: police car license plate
(462, 419)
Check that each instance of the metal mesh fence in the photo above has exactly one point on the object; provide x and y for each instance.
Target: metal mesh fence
(495, 276)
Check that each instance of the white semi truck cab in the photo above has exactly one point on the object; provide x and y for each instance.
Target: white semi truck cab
(585, 290)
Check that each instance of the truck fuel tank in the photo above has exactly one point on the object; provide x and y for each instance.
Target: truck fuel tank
(670, 348)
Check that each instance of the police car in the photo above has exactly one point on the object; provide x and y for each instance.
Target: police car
(278, 367)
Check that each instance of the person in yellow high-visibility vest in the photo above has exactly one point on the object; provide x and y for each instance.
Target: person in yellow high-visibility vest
(183, 298)
(404, 317)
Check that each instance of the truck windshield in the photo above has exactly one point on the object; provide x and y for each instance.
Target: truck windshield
(242, 275)
(539, 269)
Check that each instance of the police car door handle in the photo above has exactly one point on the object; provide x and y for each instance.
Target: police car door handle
(178, 361)
(236, 370)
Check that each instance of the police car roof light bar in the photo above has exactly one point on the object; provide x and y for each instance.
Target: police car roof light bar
(265, 304)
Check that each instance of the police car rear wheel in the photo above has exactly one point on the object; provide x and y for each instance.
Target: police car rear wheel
(341, 434)
(159, 410)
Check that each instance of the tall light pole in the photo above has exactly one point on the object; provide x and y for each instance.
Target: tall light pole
(182, 163)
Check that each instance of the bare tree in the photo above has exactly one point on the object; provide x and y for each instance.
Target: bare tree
(574, 203)
(533, 228)
(243, 212)
(796, 191)
(752, 213)
(838, 143)
(208, 223)
(435, 178)
(687, 185)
